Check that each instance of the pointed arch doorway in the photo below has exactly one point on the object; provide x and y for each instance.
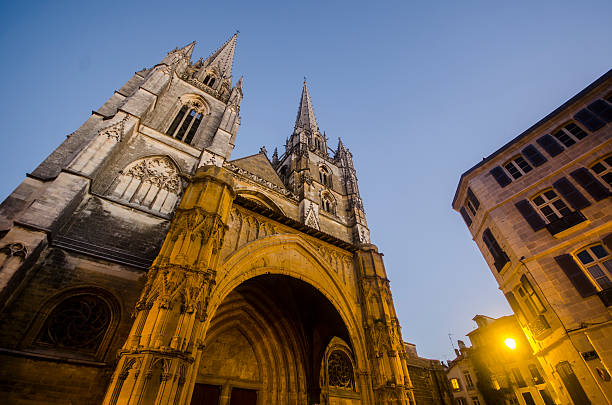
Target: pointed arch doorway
(268, 343)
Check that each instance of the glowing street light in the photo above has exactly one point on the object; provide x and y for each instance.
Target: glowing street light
(511, 343)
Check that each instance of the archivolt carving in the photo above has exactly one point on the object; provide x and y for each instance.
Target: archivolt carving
(337, 260)
(248, 228)
(152, 182)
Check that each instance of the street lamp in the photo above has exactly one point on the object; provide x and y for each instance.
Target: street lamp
(511, 343)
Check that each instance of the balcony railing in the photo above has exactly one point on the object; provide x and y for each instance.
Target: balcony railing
(539, 326)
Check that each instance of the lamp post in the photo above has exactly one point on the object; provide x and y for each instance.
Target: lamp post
(511, 343)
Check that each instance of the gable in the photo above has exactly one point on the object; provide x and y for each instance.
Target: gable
(260, 166)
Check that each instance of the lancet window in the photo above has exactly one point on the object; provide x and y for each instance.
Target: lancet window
(209, 80)
(152, 183)
(325, 176)
(328, 204)
(187, 122)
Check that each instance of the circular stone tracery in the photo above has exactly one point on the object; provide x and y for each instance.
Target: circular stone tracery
(340, 370)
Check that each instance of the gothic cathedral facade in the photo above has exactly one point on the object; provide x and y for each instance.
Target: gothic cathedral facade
(139, 264)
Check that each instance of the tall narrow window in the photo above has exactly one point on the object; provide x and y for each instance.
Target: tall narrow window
(209, 80)
(517, 167)
(468, 379)
(518, 377)
(535, 374)
(328, 204)
(598, 264)
(569, 134)
(186, 123)
(499, 256)
(551, 206)
(325, 176)
(527, 292)
(603, 169)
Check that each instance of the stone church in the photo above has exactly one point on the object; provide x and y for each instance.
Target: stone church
(140, 264)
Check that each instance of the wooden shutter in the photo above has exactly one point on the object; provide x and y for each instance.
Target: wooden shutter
(515, 306)
(500, 176)
(607, 240)
(473, 198)
(589, 120)
(571, 194)
(602, 109)
(533, 155)
(586, 179)
(550, 145)
(530, 214)
(466, 217)
(575, 274)
(572, 384)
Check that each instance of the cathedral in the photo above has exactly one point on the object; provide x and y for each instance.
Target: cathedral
(140, 264)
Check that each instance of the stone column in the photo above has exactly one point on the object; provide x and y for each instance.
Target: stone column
(390, 379)
(158, 363)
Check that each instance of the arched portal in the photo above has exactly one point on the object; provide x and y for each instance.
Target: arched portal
(266, 344)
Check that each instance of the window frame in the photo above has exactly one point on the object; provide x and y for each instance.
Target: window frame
(549, 203)
(606, 171)
(607, 273)
(514, 162)
(568, 133)
(182, 127)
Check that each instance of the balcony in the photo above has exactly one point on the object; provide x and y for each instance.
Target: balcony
(539, 327)
(565, 223)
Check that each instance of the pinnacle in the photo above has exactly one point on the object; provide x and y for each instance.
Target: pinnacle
(223, 57)
(306, 118)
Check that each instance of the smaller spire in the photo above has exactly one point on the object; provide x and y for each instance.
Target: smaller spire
(223, 57)
(188, 50)
(305, 117)
(275, 156)
(184, 52)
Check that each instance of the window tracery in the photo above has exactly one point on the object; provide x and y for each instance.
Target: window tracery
(325, 176)
(78, 322)
(328, 204)
(340, 370)
(152, 183)
(187, 121)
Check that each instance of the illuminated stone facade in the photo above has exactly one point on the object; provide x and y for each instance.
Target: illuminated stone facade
(140, 265)
(540, 211)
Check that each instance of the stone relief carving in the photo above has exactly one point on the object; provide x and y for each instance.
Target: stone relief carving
(248, 228)
(259, 180)
(310, 219)
(16, 249)
(153, 183)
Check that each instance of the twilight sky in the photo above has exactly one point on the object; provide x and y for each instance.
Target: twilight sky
(418, 91)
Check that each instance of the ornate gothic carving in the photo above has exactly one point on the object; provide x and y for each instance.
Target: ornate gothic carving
(340, 370)
(16, 249)
(259, 180)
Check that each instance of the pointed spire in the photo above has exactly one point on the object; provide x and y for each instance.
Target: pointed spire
(223, 57)
(187, 50)
(305, 116)
(275, 156)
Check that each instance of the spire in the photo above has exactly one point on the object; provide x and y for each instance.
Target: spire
(187, 50)
(175, 54)
(305, 116)
(223, 57)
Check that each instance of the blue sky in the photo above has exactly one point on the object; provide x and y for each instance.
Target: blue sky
(419, 92)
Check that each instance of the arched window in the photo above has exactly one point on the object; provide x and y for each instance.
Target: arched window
(187, 122)
(340, 370)
(597, 263)
(79, 323)
(152, 183)
(209, 80)
(569, 134)
(325, 176)
(328, 204)
(603, 169)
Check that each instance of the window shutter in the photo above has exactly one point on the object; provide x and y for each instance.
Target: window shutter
(473, 198)
(589, 120)
(515, 305)
(530, 214)
(576, 275)
(550, 145)
(500, 176)
(602, 109)
(584, 177)
(571, 194)
(533, 155)
(466, 217)
(608, 241)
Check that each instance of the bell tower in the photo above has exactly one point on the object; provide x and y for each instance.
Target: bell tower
(325, 185)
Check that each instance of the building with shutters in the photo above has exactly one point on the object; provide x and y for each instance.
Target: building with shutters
(141, 264)
(463, 378)
(539, 210)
